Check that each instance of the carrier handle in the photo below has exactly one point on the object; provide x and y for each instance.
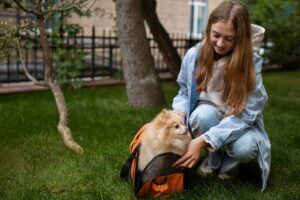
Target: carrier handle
(127, 165)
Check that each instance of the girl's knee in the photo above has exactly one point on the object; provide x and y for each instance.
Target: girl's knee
(204, 117)
(197, 120)
(244, 149)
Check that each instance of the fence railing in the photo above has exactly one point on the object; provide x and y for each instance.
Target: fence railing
(102, 57)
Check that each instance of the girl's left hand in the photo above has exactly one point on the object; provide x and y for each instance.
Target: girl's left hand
(191, 157)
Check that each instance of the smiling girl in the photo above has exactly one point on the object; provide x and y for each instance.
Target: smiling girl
(222, 96)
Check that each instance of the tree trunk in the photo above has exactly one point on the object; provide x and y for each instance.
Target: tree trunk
(63, 128)
(165, 44)
(142, 83)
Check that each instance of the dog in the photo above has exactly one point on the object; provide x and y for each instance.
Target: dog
(167, 132)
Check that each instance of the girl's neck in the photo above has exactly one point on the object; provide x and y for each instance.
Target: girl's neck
(217, 56)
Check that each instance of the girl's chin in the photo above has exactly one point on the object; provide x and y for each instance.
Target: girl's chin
(220, 51)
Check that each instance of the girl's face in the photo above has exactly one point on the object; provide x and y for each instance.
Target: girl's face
(222, 37)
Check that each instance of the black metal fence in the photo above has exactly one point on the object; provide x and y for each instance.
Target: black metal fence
(102, 57)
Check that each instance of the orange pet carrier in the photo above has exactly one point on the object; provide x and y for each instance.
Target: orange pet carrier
(159, 178)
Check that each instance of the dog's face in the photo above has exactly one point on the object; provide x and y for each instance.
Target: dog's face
(172, 131)
(167, 132)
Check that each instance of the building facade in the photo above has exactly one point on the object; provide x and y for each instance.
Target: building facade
(177, 16)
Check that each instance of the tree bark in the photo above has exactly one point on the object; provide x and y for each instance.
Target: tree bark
(160, 35)
(63, 128)
(142, 82)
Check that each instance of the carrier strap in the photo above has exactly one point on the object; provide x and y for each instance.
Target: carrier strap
(127, 165)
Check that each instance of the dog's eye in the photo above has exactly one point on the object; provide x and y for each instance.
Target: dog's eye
(176, 126)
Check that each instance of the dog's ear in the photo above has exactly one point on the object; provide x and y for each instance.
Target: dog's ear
(162, 116)
(161, 119)
(164, 111)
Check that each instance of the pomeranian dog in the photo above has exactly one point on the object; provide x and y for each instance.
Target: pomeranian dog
(167, 132)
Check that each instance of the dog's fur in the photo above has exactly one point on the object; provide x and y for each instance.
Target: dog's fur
(167, 132)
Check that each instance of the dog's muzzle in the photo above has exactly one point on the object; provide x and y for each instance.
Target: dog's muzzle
(186, 131)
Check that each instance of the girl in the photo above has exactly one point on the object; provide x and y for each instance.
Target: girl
(222, 96)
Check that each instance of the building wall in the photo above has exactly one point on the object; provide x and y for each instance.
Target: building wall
(212, 4)
(174, 20)
(101, 20)
(173, 14)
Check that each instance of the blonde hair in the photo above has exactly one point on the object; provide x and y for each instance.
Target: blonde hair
(239, 74)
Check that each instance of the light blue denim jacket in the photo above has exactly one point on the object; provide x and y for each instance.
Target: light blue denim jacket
(231, 127)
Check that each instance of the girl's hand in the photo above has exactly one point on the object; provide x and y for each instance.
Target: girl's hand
(191, 157)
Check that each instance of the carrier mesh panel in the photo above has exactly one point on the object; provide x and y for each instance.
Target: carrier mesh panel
(160, 165)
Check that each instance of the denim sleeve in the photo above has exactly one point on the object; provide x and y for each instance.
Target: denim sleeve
(180, 101)
(232, 127)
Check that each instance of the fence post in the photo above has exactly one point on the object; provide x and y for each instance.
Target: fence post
(35, 60)
(93, 52)
(82, 49)
(111, 69)
(17, 70)
(7, 69)
(26, 61)
(103, 49)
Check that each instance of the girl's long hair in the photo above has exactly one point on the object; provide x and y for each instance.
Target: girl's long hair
(239, 72)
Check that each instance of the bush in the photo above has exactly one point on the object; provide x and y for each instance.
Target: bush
(281, 19)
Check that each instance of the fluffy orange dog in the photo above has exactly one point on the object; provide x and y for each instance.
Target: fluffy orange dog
(167, 132)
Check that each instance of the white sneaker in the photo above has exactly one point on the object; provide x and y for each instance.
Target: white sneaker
(204, 169)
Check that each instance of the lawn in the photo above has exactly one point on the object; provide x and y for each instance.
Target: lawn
(34, 164)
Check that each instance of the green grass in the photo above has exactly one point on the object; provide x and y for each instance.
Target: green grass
(34, 164)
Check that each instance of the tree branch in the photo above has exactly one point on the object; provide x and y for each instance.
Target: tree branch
(25, 9)
(27, 73)
(60, 7)
(161, 37)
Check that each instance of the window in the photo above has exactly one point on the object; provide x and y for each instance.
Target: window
(198, 17)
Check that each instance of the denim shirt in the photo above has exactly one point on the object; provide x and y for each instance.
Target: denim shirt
(233, 126)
